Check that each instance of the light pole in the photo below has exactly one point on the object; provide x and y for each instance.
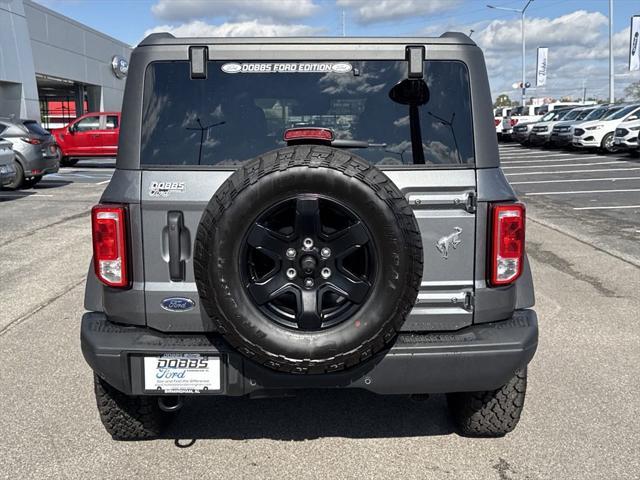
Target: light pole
(612, 95)
(521, 12)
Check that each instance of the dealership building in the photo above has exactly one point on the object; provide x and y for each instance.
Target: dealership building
(54, 69)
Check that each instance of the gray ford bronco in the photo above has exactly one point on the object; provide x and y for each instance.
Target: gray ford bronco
(308, 214)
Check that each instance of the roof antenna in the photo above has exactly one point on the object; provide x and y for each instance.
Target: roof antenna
(471, 32)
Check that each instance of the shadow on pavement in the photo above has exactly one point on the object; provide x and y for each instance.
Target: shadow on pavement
(309, 415)
(47, 184)
(7, 195)
(95, 163)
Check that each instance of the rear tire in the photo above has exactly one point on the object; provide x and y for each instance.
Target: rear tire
(17, 182)
(127, 417)
(492, 413)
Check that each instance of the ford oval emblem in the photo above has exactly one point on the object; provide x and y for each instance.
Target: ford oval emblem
(341, 67)
(231, 67)
(178, 304)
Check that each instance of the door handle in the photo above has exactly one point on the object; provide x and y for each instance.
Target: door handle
(175, 222)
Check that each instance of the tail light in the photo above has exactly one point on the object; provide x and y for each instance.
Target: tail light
(507, 242)
(514, 122)
(110, 244)
(32, 141)
(308, 133)
(497, 121)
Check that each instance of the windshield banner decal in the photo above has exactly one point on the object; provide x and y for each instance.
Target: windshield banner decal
(287, 67)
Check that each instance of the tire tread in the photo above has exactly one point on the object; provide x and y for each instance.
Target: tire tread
(492, 413)
(127, 417)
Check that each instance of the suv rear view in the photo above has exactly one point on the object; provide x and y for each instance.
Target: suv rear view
(308, 213)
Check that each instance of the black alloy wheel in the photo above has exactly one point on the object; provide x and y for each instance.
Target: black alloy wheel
(308, 262)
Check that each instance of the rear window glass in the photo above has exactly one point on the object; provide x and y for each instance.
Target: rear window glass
(34, 127)
(228, 118)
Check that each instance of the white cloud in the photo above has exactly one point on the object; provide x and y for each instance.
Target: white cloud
(578, 49)
(252, 28)
(577, 28)
(238, 10)
(371, 11)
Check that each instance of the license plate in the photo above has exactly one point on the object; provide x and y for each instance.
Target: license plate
(182, 373)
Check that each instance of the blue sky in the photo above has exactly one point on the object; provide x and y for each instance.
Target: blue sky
(574, 30)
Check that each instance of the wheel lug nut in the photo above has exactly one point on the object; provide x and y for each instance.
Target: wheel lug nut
(291, 253)
(308, 282)
(291, 273)
(307, 243)
(325, 252)
(325, 272)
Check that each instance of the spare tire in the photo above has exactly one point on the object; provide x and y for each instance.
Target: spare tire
(308, 259)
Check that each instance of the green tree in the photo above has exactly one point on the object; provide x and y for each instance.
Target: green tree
(502, 100)
(633, 91)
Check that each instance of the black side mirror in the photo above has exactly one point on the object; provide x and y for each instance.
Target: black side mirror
(410, 91)
(72, 128)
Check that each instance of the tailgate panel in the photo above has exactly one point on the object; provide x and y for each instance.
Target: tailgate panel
(441, 199)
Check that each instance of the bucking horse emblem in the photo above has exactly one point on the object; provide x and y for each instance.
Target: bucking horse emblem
(449, 241)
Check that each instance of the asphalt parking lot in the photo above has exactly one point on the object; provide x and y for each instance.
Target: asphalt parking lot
(593, 197)
(580, 418)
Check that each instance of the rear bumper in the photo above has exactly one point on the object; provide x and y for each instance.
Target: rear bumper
(7, 174)
(479, 357)
(42, 165)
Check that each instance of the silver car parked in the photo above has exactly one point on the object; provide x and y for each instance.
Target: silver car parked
(7, 166)
(35, 151)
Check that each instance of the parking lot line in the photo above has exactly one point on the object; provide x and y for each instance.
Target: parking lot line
(574, 165)
(102, 183)
(585, 191)
(573, 159)
(607, 208)
(529, 154)
(574, 171)
(561, 180)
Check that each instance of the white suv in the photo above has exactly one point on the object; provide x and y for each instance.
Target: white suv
(600, 133)
(626, 136)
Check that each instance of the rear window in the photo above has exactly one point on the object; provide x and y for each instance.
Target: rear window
(228, 118)
(34, 127)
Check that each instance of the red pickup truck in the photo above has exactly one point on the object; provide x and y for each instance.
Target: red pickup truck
(91, 135)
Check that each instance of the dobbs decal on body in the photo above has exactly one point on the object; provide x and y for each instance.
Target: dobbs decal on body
(163, 189)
